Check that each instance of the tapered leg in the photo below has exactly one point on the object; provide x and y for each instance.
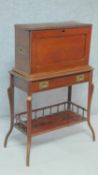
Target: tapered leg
(29, 128)
(11, 103)
(69, 96)
(90, 94)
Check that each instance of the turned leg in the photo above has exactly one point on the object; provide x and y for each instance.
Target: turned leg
(29, 129)
(69, 96)
(11, 103)
(90, 94)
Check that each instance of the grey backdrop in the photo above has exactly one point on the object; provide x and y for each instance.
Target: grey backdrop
(37, 11)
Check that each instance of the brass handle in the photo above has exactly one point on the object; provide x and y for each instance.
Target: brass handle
(80, 77)
(21, 51)
(43, 85)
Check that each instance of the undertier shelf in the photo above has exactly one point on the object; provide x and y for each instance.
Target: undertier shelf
(53, 121)
(50, 123)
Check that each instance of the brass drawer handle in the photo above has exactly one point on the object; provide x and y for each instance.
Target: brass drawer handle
(80, 77)
(43, 85)
(21, 51)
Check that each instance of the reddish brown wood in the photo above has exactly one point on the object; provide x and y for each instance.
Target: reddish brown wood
(90, 94)
(22, 82)
(62, 49)
(60, 82)
(49, 57)
(53, 74)
(64, 104)
(11, 102)
(29, 127)
(51, 122)
(51, 48)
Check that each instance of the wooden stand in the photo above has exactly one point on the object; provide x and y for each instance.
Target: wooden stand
(51, 117)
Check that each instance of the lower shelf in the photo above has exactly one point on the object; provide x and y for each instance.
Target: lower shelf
(51, 122)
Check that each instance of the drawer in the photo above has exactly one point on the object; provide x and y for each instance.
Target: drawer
(60, 82)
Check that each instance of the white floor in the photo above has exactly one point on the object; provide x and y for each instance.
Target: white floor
(68, 151)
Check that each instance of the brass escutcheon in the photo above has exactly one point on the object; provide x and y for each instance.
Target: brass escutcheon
(80, 77)
(43, 85)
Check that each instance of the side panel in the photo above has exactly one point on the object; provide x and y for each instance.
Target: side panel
(22, 58)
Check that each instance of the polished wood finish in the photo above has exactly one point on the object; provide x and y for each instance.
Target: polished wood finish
(50, 48)
(11, 102)
(52, 74)
(49, 57)
(34, 126)
(90, 94)
(59, 82)
(29, 127)
(51, 122)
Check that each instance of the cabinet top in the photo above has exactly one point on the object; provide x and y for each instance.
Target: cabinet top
(42, 26)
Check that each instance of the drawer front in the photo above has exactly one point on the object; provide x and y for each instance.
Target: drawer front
(60, 82)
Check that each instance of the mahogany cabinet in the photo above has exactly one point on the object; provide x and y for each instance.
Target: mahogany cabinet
(45, 48)
(49, 56)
